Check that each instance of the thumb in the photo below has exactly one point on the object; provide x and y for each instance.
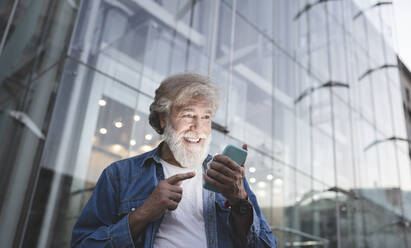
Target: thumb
(245, 147)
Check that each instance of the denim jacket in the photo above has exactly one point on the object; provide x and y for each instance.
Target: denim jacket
(125, 185)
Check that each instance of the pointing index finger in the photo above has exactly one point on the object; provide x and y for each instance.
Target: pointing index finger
(180, 177)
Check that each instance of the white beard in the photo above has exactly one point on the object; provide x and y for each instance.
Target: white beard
(187, 157)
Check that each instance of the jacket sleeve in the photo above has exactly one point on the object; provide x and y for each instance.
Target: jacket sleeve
(98, 225)
(259, 234)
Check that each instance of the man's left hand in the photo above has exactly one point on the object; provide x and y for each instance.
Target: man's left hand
(227, 176)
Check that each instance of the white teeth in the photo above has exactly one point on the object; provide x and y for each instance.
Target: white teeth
(193, 140)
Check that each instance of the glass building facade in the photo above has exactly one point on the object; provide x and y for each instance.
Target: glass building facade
(311, 86)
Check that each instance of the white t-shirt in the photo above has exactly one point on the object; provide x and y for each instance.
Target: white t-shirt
(184, 227)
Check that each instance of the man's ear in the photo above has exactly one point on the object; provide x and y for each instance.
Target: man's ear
(163, 121)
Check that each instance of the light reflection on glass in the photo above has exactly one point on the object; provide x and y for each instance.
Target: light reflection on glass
(118, 124)
(103, 130)
(116, 147)
(145, 148)
(278, 181)
(102, 102)
(262, 184)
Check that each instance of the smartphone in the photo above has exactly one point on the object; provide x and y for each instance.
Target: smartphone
(237, 154)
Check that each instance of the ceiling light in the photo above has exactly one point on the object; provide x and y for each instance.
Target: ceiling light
(133, 142)
(252, 180)
(261, 184)
(118, 124)
(146, 148)
(116, 147)
(252, 169)
(278, 181)
(136, 117)
(102, 102)
(270, 177)
(103, 130)
(149, 136)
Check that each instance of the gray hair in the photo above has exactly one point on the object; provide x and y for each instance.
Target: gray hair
(177, 90)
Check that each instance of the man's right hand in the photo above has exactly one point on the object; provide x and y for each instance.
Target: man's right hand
(165, 196)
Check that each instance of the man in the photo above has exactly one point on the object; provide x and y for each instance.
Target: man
(156, 199)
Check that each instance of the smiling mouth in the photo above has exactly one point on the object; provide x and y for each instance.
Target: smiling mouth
(192, 141)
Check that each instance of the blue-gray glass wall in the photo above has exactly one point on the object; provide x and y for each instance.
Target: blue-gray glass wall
(311, 86)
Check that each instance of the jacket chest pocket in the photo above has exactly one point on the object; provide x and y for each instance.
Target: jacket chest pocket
(129, 206)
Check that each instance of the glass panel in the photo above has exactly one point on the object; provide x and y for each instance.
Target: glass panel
(285, 131)
(343, 143)
(254, 69)
(223, 57)
(335, 10)
(366, 99)
(405, 176)
(317, 214)
(359, 30)
(323, 164)
(382, 103)
(375, 43)
(290, 29)
(398, 112)
(290, 78)
(164, 44)
(318, 64)
(390, 177)
(369, 169)
(338, 59)
(31, 56)
(266, 179)
(381, 227)
(304, 147)
(276, 20)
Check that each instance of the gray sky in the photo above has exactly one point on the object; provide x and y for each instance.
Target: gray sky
(402, 13)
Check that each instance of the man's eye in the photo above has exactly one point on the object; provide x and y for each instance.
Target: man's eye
(188, 116)
(206, 117)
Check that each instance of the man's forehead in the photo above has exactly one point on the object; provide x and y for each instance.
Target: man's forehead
(195, 104)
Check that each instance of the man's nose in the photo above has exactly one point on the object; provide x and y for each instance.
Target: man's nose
(195, 123)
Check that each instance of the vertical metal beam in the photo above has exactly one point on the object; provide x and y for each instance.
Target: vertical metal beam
(214, 22)
(230, 57)
(330, 74)
(9, 21)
